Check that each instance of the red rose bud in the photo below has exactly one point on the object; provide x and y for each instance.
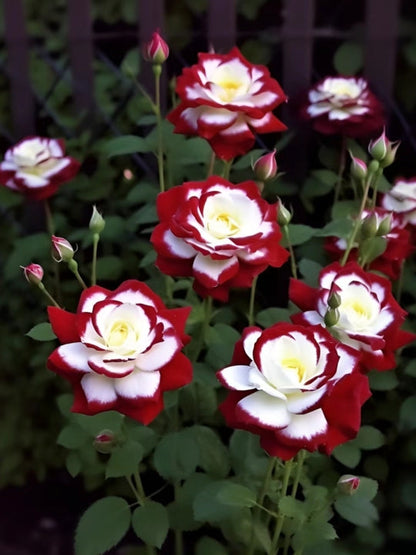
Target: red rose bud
(156, 50)
(97, 222)
(61, 249)
(358, 168)
(348, 484)
(104, 442)
(33, 273)
(378, 147)
(265, 167)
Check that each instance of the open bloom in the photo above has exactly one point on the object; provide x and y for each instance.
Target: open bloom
(225, 99)
(294, 387)
(37, 166)
(121, 350)
(221, 234)
(398, 244)
(369, 318)
(402, 199)
(343, 105)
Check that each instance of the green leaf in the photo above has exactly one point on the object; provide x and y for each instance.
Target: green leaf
(407, 415)
(126, 144)
(348, 58)
(292, 508)
(367, 489)
(102, 526)
(124, 460)
(73, 464)
(236, 495)
(209, 546)
(270, 316)
(298, 234)
(177, 455)
(130, 65)
(93, 425)
(72, 437)
(338, 228)
(357, 510)
(42, 332)
(213, 454)
(344, 209)
(64, 403)
(348, 454)
(109, 267)
(151, 523)
(383, 381)
(369, 438)
(310, 270)
(372, 248)
(247, 457)
(208, 507)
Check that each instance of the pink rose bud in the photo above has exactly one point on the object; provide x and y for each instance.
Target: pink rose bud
(97, 222)
(61, 249)
(104, 441)
(358, 168)
(156, 50)
(265, 167)
(378, 147)
(33, 273)
(348, 484)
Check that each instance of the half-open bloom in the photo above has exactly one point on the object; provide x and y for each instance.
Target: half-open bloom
(402, 199)
(37, 166)
(121, 350)
(295, 387)
(221, 234)
(369, 317)
(398, 244)
(225, 99)
(343, 105)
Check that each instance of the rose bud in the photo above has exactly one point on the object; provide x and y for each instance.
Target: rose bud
(33, 273)
(369, 226)
(265, 167)
(156, 50)
(61, 249)
(97, 222)
(378, 147)
(358, 168)
(284, 216)
(104, 441)
(385, 225)
(391, 154)
(348, 484)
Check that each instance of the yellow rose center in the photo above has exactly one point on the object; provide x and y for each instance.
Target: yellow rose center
(222, 225)
(41, 168)
(296, 365)
(118, 334)
(230, 89)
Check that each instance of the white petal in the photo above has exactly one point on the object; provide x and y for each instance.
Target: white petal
(250, 341)
(98, 388)
(159, 355)
(177, 246)
(76, 356)
(138, 384)
(237, 377)
(299, 402)
(91, 300)
(268, 411)
(306, 425)
(213, 268)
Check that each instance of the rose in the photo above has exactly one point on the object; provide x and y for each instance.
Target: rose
(156, 50)
(402, 199)
(398, 243)
(343, 105)
(225, 99)
(37, 166)
(121, 350)
(221, 234)
(368, 317)
(294, 387)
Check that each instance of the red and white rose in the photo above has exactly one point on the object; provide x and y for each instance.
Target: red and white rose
(37, 166)
(343, 105)
(295, 387)
(398, 243)
(121, 350)
(225, 99)
(402, 199)
(221, 234)
(369, 318)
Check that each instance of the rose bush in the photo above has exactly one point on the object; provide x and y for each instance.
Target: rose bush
(121, 350)
(37, 166)
(221, 234)
(294, 387)
(225, 99)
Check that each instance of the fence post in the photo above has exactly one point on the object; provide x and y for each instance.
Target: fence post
(17, 43)
(222, 24)
(382, 19)
(81, 53)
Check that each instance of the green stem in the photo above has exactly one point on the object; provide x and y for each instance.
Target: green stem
(300, 460)
(293, 266)
(260, 501)
(227, 168)
(281, 518)
(73, 266)
(157, 70)
(201, 339)
(251, 304)
(211, 164)
(136, 486)
(47, 294)
(51, 230)
(95, 240)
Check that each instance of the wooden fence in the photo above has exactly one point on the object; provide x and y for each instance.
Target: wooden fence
(298, 34)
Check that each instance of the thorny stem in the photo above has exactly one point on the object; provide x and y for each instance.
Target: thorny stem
(157, 70)
(251, 304)
(281, 518)
(95, 240)
(291, 252)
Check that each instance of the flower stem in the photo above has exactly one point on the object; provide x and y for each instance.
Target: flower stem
(73, 266)
(251, 304)
(211, 164)
(157, 70)
(95, 240)
(293, 266)
(227, 168)
(281, 518)
(300, 460)
(50, 225)
(136, 486)
(47, 294)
